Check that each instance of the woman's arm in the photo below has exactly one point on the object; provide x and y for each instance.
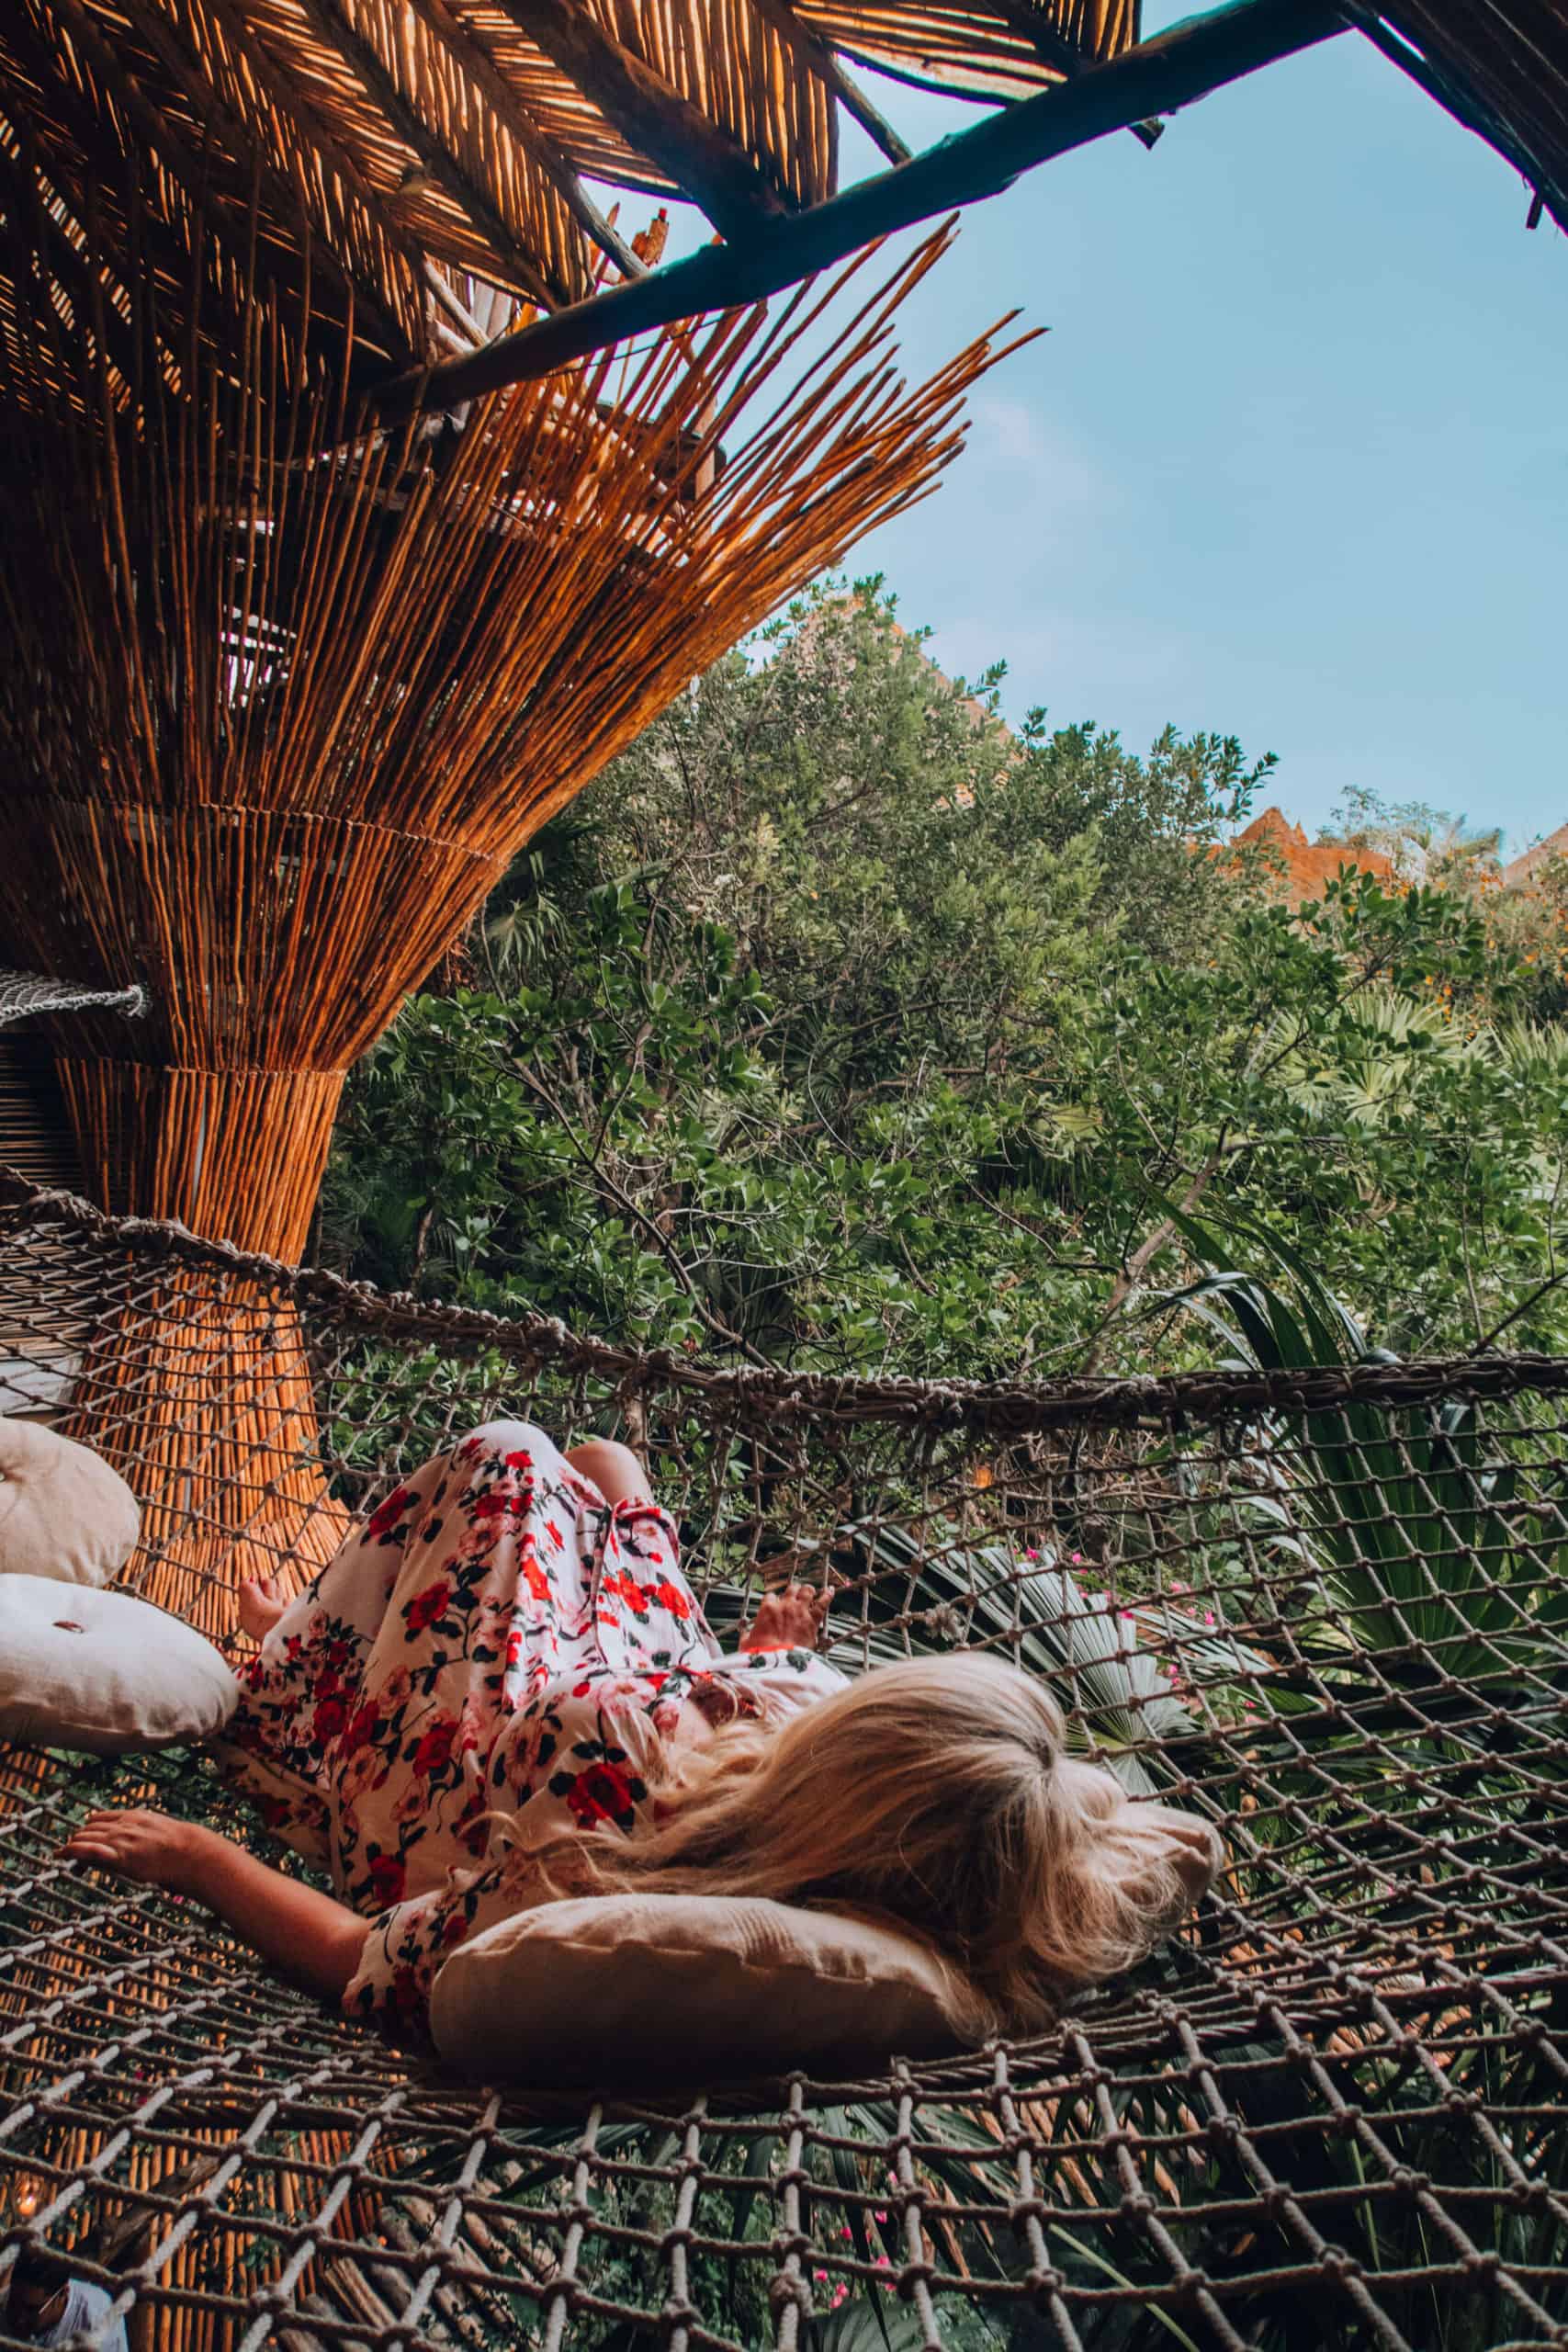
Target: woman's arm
(307, 1936)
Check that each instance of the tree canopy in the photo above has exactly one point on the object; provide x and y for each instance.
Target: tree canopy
(839, 1025)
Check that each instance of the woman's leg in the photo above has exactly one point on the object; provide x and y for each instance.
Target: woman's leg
(304, 1685)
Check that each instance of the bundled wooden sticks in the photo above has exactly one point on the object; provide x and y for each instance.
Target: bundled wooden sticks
(280, 696)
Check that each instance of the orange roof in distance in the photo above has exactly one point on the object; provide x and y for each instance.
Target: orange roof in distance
(1307, 868)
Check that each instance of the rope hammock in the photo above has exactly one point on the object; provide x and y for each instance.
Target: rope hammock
(1327, 1609)
(25, 995)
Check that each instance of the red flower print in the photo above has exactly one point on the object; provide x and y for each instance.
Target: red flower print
(434, 1750)
(407, 1997)
(498, 1505)
(602, 1793)
(513, 1648)
(671, 1597)
(329, 1718)
(456, 1927)
(428, 1606)
(556, 1538)
(362, 1728)
(389, 1877)
(537, 1581)
(520, 1459)
(385, 1517)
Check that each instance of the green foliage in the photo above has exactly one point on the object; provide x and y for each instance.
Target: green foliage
(840, 1027)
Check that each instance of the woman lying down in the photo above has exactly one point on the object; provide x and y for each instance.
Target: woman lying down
(501, 1692)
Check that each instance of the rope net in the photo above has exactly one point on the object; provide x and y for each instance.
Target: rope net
(1327, 1609)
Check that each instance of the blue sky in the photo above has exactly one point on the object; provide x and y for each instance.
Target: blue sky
(1291, 463)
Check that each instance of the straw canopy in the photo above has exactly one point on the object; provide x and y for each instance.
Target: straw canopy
(276, 709)
(391, 161)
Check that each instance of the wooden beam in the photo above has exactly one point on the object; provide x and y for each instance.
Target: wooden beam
(328, 22)
(1173, 69)
(825, 65)
(699, 158)
(482, 69)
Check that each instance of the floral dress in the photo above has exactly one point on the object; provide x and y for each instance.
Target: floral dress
(494, 1658)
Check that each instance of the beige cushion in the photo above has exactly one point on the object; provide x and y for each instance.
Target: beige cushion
(102, 1671)
(629, 1990)
(63, 1513)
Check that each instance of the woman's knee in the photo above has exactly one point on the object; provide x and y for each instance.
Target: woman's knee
(613, 1468)
(516, 1445)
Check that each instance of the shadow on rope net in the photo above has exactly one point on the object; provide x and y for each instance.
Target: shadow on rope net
(1328, 1608)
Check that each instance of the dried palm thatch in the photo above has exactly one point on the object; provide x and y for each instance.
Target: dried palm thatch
(1502, 68)
(357, 149)
(279, 701)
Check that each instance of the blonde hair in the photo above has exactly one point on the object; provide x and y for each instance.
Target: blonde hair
(936, 1795)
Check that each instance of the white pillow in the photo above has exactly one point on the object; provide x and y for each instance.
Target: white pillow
(103, 1671)
(63, 1512)
(633, 1990)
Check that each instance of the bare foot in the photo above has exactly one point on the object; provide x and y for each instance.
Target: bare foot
(261, 1606)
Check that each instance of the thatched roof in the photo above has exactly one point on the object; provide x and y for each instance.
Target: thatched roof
(1502, 67)
(361, 143)
(427, 168)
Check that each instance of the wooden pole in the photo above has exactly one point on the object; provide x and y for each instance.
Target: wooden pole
(1176, 67)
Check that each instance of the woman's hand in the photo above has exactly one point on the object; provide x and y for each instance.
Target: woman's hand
(790, 1619)
(142, 1845)
(307, 1935)
(261, 1606)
